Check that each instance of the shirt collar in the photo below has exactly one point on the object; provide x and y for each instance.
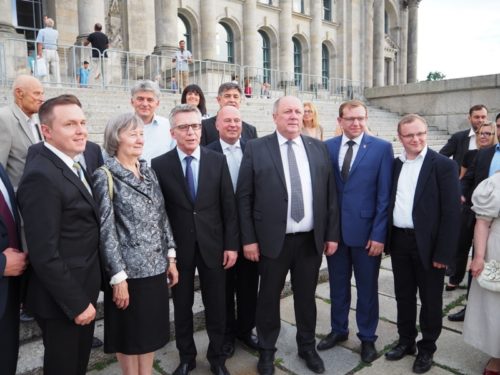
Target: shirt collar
(472, 133)
(422, 154)
(225, 145)
(282, 140)
(357, 140)
(154, 121)
(195, 154)
(61, 155)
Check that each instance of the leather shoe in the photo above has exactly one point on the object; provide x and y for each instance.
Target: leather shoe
(265, 366)
(423, 363)
(331, 340)
(96, 342)
(313, 361)
(450, 287)
(184, 368)
(399, 351)
(250, 340)
(219, 370)
(368, 351)
(457, 317)
(228, 349)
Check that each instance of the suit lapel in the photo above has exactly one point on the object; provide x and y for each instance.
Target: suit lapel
(203, 173)
(21, 122)
(178, 174)
(310, 157)
(363, 148)
(274, 150)
(425, 172)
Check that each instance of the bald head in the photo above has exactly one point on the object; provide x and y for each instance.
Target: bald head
(228, 123)
(28, 94)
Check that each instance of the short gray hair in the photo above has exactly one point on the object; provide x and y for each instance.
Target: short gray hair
(182, 108)
(146, 85)
(115, 126)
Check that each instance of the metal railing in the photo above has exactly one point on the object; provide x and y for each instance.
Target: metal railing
(121, 69)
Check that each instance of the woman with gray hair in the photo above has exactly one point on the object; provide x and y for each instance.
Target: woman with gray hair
(137, 248)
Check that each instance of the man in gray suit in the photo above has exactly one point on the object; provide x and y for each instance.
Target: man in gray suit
(18, 128)
(288, 217)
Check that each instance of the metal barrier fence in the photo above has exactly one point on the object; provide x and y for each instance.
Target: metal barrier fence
(121, 69)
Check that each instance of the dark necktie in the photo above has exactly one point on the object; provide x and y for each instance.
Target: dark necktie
(9, 222)
(297, 203)
(190, 178)
(346, 165)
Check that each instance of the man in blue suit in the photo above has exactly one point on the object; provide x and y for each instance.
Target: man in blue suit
(362, 167)
(12, 264)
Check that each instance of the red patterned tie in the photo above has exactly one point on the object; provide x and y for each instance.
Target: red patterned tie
(9, 223)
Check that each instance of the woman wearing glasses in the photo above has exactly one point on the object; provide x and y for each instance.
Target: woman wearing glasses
(310, 122)
(137, 249)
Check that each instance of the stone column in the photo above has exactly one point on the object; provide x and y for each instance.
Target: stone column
(390, 72)
(165, 27)
(378, 42)
(250, 34)
(6, 27)
(208, 29)
(316, 41)
(412, 40)
(14, 52)
(285, 41)
(90, 12)
(403, 43)
(368, 51)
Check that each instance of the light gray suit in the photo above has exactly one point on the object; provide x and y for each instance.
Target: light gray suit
(16, 138)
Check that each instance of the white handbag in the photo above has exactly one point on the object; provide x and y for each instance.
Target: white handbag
(490, 276)
(40, 68)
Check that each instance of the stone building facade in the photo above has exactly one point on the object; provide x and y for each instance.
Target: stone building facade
(368, 41)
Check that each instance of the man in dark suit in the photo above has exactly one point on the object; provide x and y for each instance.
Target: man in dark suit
(62, 232)
(200, 203)
(424, 213)
(288, 217)
(229, 94)
(465, 140)
(12, 265)
(241, 280)
(362, 166)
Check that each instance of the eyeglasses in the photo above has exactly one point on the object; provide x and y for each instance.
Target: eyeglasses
(185, 127)
(411, 136)
(485, 134)
(308, 111)
(353, 119)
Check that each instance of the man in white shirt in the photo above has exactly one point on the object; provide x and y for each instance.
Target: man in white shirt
(47, 47)
(424, 213)
(157, 139)
(182, 59)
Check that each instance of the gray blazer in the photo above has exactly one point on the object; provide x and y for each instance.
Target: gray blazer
(15, 139)
(135, 230)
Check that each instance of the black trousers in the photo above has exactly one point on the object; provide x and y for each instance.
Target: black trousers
(299, 256)
(410, 275)
(9, 329)
(67, 346)
(467, 222)
(242, 282)
(212, 285)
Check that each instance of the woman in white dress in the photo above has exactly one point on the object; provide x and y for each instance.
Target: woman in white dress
(482, 325)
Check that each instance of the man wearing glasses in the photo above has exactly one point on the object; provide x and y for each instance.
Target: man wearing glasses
(200, 202)
(362, 167)
(424, 213)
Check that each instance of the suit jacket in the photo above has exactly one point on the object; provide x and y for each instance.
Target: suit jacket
(436, 209)
(15, 139)
(263, 196)
(210, 134)
(92, 155)
(211, 221)
(5, 282)
(364, 198)
(61, 222)
(457, 146)
(477, 171)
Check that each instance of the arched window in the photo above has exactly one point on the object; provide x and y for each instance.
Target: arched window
(297, 61)
(184, 31)
(266, 57)
(325, 65)
(224, 40)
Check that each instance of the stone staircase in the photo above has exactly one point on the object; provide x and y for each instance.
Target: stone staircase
(100, 105)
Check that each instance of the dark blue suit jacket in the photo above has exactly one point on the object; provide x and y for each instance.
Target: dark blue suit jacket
(4, 241)
(364, 198)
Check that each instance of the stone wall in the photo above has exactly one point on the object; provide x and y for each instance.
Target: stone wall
(445, 103)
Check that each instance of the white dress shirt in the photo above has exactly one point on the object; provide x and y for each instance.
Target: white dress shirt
(472, 139)
(195, 164)
(65, 158)
(157, 139)
(405, 193)
(234, 154)
(307, 222)
(344, 147)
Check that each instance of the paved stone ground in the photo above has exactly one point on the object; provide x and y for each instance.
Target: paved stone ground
(452, 357)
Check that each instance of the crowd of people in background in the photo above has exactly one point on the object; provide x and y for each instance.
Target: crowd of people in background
(168, 197)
